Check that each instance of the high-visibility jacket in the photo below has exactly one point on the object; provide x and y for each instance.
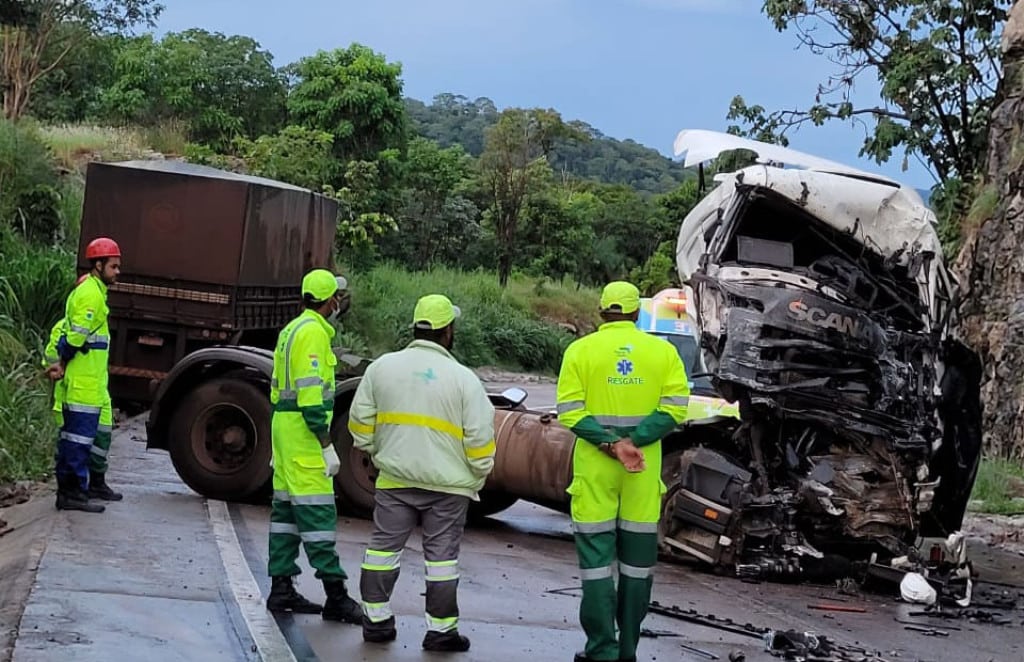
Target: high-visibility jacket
(50, 356)
(302, 385)
(426, 421)
(620, 381)
(85, 344)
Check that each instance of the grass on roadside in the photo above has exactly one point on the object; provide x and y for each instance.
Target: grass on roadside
(33, 283)
(73, 145)
(514, 328)
(999, 488)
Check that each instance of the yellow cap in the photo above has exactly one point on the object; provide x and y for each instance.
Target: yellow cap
(434, 311)
(321, 284)
(620, 297)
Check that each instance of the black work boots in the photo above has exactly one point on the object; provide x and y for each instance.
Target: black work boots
(71, 497)
(339, 605)
(447, 642)
(379, 633)
(98, 488)
(283, 597)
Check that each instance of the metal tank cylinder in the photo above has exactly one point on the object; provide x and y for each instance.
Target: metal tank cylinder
(533, 459)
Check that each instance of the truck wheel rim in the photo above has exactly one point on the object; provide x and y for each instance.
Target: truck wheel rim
(223, 438)
(365, 474)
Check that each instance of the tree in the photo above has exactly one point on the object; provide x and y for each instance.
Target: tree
(73, 92)
(221, 86)
(47, 32)
(434, 218)
(937, 62)
(355, 95)
(514, 162)
(296, 155)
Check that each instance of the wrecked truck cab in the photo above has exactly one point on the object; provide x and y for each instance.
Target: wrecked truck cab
(826, 312)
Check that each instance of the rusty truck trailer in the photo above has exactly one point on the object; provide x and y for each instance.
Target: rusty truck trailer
(210, 257)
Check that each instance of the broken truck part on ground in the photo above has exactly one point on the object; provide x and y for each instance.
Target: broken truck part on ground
(823, 310)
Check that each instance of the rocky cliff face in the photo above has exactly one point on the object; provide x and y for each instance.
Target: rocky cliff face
(991, 263)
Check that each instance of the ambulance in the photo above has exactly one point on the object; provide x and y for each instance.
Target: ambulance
(667, 316)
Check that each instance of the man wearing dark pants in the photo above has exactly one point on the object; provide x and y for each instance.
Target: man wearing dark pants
(428, 425)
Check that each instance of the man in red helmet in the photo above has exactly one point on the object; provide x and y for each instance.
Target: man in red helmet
(84, 350)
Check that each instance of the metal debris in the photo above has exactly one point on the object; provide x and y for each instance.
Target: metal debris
(843, 608)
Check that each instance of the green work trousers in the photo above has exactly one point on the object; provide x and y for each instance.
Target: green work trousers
(615, 519)
(303, 509)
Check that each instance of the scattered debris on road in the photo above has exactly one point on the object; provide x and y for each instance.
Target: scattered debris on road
(843, 608)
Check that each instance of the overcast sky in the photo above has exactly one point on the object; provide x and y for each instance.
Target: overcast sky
(637, 69)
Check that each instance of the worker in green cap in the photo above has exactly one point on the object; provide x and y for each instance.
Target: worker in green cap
(428, 425)
(620, 390)
(304, 460)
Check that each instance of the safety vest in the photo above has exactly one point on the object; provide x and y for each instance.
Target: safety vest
(85, 344)
(302, 385)
(620, 381)
(426, 420)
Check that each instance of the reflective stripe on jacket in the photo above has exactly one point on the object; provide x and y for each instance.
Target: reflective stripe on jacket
(85, 344)
(302, 384)
(620, 381)
(426, 420)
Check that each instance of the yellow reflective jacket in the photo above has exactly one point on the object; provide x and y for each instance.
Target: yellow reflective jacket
(302, 385)
(426, 421)
(50, 356)
(620, 381)
(85, 343)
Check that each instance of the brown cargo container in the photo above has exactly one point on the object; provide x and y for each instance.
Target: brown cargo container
(209, 257)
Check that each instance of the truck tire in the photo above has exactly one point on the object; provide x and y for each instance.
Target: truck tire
(219, 440)
(354, 482)
(490, 503)
(669, 476)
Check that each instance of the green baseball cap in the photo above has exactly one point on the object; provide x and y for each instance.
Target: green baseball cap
(620, 297)
(321, 284)
(434, 311)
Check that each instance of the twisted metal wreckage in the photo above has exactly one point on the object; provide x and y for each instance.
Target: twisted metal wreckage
(825, 310)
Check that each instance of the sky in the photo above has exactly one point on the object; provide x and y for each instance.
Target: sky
(633, 69)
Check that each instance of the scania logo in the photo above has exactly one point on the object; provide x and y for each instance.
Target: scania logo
(801, 312)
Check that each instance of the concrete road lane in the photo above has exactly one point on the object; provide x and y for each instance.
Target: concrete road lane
(518, 591)
(168, 575)
(519, 601)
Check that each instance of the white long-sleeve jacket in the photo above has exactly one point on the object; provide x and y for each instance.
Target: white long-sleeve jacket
(425, 420)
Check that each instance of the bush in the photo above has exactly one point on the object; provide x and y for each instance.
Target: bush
(34, 282)
(499, 327)
(29, 183)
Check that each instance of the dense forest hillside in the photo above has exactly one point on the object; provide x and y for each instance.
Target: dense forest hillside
(456, 120)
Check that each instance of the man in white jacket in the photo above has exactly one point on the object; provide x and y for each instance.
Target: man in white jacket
(427, 423)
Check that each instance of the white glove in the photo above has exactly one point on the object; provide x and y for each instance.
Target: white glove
(332, 461)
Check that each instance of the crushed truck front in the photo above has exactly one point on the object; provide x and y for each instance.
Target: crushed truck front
(826, 313)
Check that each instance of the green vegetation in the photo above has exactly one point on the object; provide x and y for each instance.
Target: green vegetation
(938, 65)
(999, 488)
(511, 327)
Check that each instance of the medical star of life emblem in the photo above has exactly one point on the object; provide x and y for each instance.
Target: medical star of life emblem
(624, 367)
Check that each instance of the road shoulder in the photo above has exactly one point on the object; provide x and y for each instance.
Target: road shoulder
(143, 580)
(22, 544)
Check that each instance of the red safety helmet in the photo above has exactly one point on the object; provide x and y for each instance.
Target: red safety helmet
(102, 247)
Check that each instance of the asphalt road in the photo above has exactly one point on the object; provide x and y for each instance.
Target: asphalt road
(167, 575)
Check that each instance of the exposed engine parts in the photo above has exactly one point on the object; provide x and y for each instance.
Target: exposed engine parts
(826, 313)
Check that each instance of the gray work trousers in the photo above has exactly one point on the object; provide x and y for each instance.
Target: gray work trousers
(396, 513)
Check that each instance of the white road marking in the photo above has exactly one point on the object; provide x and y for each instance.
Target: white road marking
(269, 641)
